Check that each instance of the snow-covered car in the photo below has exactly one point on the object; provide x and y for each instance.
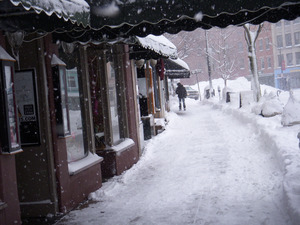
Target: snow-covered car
(191, 93)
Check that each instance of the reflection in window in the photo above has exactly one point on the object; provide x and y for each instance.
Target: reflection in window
(113, 103)
(279, 41)
(289, 59)
(11, 108)
(64, 100)
(267, 43)
(297, 38)
(297, 58)
(269, 62)
(260, 44)
(75, 143)
(288, 39)
(262, 63)
(280, 60)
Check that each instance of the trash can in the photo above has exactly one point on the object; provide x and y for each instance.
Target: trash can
(147, 127)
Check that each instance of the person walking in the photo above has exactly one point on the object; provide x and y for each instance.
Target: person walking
(181, 92)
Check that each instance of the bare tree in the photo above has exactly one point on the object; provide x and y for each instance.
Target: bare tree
(251, 37)
(222, 55)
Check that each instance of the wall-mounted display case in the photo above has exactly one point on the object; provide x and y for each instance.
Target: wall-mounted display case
(26, 96)
(9, 128)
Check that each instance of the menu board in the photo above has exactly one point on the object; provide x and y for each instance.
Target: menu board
(25, 89)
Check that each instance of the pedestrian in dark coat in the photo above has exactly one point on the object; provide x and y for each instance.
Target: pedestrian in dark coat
(181, 92)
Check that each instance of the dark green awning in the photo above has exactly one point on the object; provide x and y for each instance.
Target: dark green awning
(176, 68)
(142, 17)
(77, 11)
(44, 15)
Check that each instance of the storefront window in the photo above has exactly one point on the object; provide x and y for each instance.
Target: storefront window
(13, 129)
(75, 143)
(113, 103)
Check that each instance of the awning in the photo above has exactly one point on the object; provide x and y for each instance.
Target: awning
(176, 68)
(153, 47)
(43, 15)
(77, 11)
(143, 17)
(114, 19)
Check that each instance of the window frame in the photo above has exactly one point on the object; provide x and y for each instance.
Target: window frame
(279, 41)
(289, 59)
(63, 128)
(114, 56)
(288, 40)
(6, 144)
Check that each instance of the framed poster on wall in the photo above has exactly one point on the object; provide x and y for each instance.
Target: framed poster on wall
(26, 96)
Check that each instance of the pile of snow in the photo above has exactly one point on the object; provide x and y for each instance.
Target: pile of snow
(277, 116)
(291, 111)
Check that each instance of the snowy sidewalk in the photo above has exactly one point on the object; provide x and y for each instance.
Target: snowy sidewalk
(206, 168)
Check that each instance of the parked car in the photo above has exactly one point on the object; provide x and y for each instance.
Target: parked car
(191, 93)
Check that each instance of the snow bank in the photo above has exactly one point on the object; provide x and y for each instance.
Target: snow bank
(283, 139)
(291, 111)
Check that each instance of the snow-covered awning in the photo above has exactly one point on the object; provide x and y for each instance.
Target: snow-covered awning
(114, 19)
(77, 11)
(159, 44)
(176, 68)
(140, 17)
(44, 15)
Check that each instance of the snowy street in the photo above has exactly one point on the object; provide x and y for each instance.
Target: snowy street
(207, 167)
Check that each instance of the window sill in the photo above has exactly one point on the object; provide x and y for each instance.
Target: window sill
(83, 164)
(124, 145)
(12, 152)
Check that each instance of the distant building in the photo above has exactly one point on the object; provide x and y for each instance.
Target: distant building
(286, 36)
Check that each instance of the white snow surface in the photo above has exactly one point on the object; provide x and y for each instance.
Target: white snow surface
(159, 44)
(214, 164)
(4, 55)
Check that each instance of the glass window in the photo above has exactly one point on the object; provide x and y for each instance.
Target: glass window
(269, 62)
(297, 58)
(280, 58)
(75, 143)
(65, 111)
(262, 63)
(260, 44)
(13, 128)
(289, 59)
(113, 103)
(72, 82)
(267, 43)
(279, 41)
(297, 38)
(288, 39)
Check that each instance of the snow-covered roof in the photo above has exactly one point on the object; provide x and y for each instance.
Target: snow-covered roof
(181, 63)
(5, 56)
(57, 61)
(159, 44)
(177, 68)
(77, 11)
